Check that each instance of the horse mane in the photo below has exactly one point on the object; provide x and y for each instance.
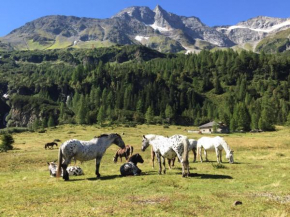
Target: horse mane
(102, 135)
(150, 136)
(224, 143)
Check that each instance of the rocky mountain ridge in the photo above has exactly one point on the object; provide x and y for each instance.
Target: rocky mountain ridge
(157, 29)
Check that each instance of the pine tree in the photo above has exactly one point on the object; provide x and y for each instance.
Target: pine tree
(36, 124)
(7, 141)
(101, 115)
(82, 111)
(50, 122)
(149, 115)
(169, 112)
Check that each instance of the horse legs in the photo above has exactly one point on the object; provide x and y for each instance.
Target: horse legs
(185, 167)
(200, 155)
(217, 155)
(163, 162)
(64, 165)
(169, 163)
(98, 162)
(194, 154)
(220, 155)
(152, 157)
(159, 162)
(205, 153)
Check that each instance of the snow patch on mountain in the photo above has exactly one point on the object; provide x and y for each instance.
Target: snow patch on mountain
(140, 38)
(161, 29)
(266, 30)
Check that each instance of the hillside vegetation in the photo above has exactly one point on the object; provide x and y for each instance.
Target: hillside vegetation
(133, 84)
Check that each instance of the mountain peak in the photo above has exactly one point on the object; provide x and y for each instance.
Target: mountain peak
(158, 9)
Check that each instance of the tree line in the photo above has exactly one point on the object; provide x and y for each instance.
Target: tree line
(244, 90)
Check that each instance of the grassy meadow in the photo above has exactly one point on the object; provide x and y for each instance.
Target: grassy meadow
(259, 178)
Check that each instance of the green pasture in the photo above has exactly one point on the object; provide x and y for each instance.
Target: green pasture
(259, 178)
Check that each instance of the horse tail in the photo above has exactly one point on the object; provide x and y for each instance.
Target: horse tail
(185, 150)
(152, 156)
(58, 173)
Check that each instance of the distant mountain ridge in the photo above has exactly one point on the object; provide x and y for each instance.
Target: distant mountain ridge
(157, 29)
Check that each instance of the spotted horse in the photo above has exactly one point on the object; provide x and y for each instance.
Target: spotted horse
(169, 148)
(72, 170)
(85, 151)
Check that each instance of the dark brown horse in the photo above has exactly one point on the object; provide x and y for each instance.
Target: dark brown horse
(125, 152)
(50, 145)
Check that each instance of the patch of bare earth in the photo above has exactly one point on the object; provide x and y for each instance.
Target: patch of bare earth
(273, 197)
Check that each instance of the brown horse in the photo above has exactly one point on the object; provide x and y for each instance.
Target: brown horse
(50, 145)
(125, 152)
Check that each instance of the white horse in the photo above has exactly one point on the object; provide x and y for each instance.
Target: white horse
(192, 146)
(218, 144)
(86, 150)
(169, 148)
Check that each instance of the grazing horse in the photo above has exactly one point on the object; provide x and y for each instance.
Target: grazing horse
(130, 168)
(72, 170)
(170, 161)
(86, 150)
(169, 148)
(218, 144)
(192, 146)
(50, 145)
(126, 152)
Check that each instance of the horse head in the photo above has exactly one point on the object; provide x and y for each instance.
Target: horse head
(118, 140)
(115, 158)
(52, 168)
(230, 156)
(136, 158)
(145, 143)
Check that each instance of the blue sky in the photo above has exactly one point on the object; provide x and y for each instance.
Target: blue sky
(15, 13)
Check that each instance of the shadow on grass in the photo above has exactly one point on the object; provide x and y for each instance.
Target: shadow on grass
(75, 180)
(104, 177)
(151, 172)
(210, 176)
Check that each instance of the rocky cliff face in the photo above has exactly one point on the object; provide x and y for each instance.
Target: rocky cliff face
(4, 110)
(254, 30)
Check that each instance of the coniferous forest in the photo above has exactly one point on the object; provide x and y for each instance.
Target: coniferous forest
(135, 85)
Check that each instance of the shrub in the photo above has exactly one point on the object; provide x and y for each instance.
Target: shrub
(7, 141)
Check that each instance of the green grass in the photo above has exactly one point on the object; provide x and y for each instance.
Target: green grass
(36, 46)
(93, 44)
(259, 178)
(60, 42)
(274, 43)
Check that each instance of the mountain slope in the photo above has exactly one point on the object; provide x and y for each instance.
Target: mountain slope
(157, 29)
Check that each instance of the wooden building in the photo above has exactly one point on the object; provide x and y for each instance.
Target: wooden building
(213, 127)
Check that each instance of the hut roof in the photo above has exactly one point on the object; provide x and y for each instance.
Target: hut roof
(210, 124)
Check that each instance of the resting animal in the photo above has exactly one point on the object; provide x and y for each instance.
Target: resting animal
(72, 170)
(130, 168)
